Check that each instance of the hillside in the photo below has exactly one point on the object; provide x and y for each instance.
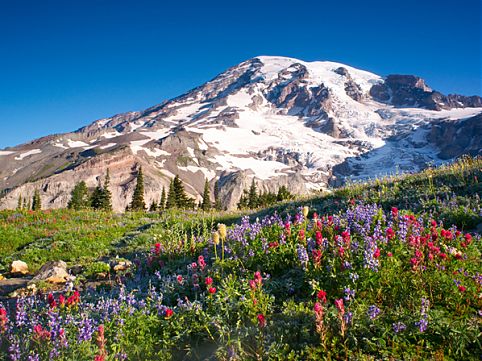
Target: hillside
(386, 269)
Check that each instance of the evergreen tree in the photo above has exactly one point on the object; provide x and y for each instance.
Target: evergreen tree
(162, 202)
(153, 207)
(217, 200)
(29, 205)
(182, 200)
(243, 201)
(79, 197)
(206, 202)
(19, 203)
(138, 203)
(253, 196)
(36, 201)
(24, 205)
(96, 198)
(106, 196)
(171, 196)
(283, 194)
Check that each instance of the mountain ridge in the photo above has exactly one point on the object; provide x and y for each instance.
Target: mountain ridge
(280, 120)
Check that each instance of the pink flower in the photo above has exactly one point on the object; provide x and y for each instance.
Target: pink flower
(301, 234)
(318, 238)
(340, 306)
(258, 278)
(390, 233)
(394, 212)
(201, 262)
(208, 281)
(180, 280)
(252, 284)
(212, 290)
(318, 308)
(3, 320)
(390, 254)
(376, 254)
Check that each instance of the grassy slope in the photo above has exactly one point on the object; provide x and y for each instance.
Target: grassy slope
(452, 193)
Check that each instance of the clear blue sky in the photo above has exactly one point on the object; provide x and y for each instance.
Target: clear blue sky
(66, 63)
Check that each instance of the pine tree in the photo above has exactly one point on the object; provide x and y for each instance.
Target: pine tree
(138, 203)
(96, 198)
(19, 203)
(106, 196)
(171, 196)
(206, 202)
(153, 207)
(79, 197)
(253, 196)
(243, 201)
(36, 201)
(283, 194)
(162, 202)
(182, 200)
(217, 200)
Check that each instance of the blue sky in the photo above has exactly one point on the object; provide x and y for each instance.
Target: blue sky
(66, 63)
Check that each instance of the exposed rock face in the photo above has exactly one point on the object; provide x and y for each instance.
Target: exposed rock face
(454, 138)
(411, 91)
(279, 121)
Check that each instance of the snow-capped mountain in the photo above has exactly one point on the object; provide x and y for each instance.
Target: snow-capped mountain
(280, 120)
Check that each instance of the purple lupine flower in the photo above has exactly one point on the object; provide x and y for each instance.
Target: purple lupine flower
(373, 312)
(348, 317)
(86, 329)
(349, 294)
(398, 327)
(302, 255)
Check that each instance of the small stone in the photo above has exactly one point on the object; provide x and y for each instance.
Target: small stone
(19, 267)
(122, 265)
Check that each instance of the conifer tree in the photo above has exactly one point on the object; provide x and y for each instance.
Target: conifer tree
(36, 201)
(24, 205)
(153, 207)
(79, 197)
(96, 198)
(106, 195)
(162, 202)
(171, 196)
(29, 205)
(138, 203)
(253, 196)
(243, 201)
(206, 202)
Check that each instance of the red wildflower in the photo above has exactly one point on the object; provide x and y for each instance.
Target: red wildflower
(3, 320)
(317, 256)
(273, 244)
(318, 308)
(257, 277)
(301, 234)
(157, 249)
(340, 306)
(442, 255)
(376, 254)
(321, 295)
(208, 281)
(341, 251)
(51, 301)
(168, 313)
(394, 212)
(318, 238)
(288, 228)
(99, 358)
(261, 321)
(252, 284)
(61, 300)
(40, 333)
(433, 223)
(462, 288)
(180, 280)
(212, 290)
(389, 254)
(390, 233)
(468, 238)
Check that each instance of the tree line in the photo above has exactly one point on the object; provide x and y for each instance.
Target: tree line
(174, 198)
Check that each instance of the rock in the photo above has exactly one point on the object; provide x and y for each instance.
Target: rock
(121, 265)
(10, 285)
(19, 267)
(53, 272)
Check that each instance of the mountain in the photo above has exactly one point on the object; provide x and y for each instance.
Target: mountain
(280, 120)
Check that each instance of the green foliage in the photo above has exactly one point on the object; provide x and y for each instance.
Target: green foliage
(36, 201)
(94, 268)
(206, 202)
(79, 198)
(162, 202)
(138, 203)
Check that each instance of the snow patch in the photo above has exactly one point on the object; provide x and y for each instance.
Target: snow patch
(26, 154)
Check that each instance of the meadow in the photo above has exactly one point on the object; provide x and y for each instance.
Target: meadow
(388, 269)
